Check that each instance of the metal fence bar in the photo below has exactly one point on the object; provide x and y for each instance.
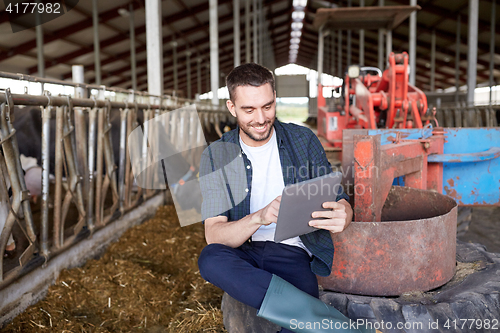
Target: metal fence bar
(127, 181)
(99, 168)
(145, 158)
(469, 115)
(74, 185)
(45, 180)
(110, 178)
(131, 125)
(58, 225)
(81, 146)
(34, 100)
(91, 164)
(121, 172)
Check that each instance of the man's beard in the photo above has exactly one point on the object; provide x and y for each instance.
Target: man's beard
(260, 138)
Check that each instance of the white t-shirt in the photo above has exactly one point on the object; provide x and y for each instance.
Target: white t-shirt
(267, 184)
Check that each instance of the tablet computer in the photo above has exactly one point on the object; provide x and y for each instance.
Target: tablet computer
(300, 200)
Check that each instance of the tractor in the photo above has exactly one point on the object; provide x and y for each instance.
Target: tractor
(373, 100)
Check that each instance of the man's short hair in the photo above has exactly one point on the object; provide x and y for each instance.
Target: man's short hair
(250, 74)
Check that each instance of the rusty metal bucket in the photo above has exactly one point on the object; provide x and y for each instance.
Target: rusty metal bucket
(412, 249)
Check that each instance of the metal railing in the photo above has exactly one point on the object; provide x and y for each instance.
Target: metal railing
(85, 173)
(463, 115)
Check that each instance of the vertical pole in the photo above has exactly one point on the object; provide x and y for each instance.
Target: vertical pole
(236, 28)
(362, 40)
(188, 73)
(100, 165)
(131, 117)
(154, 43)
(381, 49)
(261, 32)
(457, 59)
(332, 36)
(381, 43)
(255, 37)
(208, 77)
(340, 73)
(214, 51)
(176, 77)
(198, 74)
(472, 50)
(321, 49)
(80, 127)
(349, 4)
(122, 160)
(78, 77)
(45, 179)
(326, 53)
(388, 45)
(248, 52)
(132, 48)
(91, 164)
(39, 46)
(266, 53)
(58, 235)
(348, 47)
(433, 60)
(97, 51)
(413, 43)
(492, 47)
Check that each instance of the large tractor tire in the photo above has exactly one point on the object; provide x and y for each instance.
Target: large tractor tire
(470, 302)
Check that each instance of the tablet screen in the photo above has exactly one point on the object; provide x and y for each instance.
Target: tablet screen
(300, 200)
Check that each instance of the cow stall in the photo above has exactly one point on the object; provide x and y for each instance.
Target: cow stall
(89, 192)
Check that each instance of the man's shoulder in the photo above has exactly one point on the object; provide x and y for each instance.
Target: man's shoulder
(231, 136)
(300, 139)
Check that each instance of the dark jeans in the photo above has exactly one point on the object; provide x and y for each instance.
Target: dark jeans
(245, 272)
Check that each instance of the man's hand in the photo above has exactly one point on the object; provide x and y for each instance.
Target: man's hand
(234, 233)
(336, 219)
(268, 214)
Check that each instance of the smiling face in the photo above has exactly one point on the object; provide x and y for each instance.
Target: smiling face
(255, 112)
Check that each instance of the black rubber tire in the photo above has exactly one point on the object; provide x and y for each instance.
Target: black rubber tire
(475, 298)
(472, 297)
(241, 318)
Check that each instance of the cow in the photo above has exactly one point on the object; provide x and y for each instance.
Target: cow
(33, 180)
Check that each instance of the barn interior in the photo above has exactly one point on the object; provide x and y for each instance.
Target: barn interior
(79, 78)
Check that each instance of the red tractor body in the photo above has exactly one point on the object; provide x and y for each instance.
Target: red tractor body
(374, 101)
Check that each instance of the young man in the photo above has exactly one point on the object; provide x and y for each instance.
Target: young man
(241, 257)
